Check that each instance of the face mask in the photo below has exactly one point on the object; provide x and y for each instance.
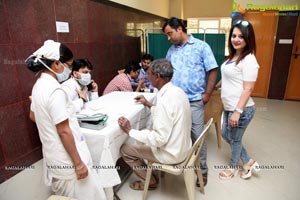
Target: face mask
(85, 79)
(64, 75)
(60, 77)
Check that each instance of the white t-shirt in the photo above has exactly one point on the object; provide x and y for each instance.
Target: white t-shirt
(51, 106)
(232, 80)
(70, 86)
(170, 137)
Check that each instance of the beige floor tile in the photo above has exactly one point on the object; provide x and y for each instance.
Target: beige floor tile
(272, 138)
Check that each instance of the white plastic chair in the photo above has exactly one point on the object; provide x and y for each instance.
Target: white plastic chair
(56, 197)
(214, 109)
(187, 167)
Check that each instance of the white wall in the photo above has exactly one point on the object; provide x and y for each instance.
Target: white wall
(156, 7)
(207, 8)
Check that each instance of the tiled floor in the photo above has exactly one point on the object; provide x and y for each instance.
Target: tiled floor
(272, 138)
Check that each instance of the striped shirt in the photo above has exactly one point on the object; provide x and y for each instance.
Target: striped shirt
(121, 82)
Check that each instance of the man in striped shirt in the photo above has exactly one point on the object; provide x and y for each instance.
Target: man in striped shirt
(122, 82)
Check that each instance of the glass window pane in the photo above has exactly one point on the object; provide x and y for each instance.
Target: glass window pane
(217, 25)
(210, 26)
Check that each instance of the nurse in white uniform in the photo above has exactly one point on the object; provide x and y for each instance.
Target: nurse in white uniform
(67, 160)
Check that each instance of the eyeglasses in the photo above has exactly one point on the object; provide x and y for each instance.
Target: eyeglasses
(242, 22)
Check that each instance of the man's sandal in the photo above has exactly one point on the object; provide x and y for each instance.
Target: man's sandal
(139, 185)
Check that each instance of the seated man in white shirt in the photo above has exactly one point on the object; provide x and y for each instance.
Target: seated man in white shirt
(170, 138)
(80, 87)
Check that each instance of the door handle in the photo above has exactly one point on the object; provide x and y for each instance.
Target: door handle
(296, 55)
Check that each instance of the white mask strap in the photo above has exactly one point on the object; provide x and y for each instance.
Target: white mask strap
(45, 65)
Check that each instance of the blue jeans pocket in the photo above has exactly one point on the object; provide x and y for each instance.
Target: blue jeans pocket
(246, 116)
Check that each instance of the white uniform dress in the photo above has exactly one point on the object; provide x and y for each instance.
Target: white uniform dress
(52, 106)
(70, 86)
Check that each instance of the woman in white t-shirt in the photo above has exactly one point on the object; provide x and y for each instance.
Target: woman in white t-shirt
(239, 74)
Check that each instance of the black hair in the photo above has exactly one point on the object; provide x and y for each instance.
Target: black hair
(147, 57)
(174, 23)
(132, 66)
(35, 65)
(65, 53)
(81, 63)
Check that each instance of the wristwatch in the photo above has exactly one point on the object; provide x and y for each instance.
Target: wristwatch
(239, 110)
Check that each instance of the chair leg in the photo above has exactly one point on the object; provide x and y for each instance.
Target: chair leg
(199, 175)
(147, 181)
(218, 131)
(189, 183)
(200, 178)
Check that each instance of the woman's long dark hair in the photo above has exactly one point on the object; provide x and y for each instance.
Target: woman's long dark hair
(249, 37)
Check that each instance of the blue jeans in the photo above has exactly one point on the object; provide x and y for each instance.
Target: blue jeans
(234, 136)
(197, 109)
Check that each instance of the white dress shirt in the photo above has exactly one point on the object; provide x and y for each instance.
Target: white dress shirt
(70, 86)
(170, 137)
